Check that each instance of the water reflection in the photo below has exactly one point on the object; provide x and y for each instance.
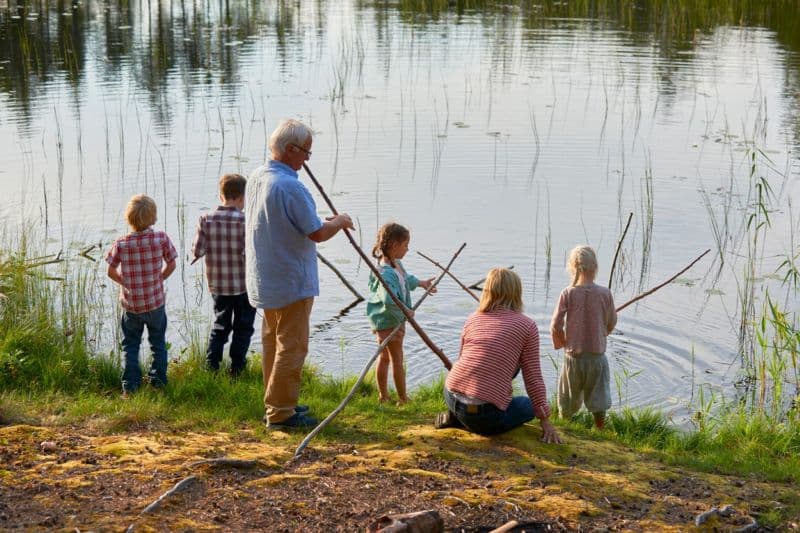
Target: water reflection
(153, 45)
(523, 129)
(151, 42)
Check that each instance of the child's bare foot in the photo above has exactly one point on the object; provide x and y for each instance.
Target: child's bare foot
(402, 401)
(384, 399)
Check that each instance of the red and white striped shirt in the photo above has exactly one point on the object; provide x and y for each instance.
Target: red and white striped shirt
(493, 346)
(220, 237)
(140, 257)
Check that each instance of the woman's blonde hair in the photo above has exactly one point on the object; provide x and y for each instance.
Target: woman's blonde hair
(141, 212)
(390, 233)
(581, 259)
(502, 289)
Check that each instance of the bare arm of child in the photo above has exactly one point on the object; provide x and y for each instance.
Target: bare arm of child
(169, 268)
(114, 274)
(611, 322)
(199, 243)
(557, 323)
(426, 283)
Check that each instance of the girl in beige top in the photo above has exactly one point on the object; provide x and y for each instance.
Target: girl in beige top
(583, 318)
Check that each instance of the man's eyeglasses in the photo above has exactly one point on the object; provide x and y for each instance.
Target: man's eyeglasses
(307, 152)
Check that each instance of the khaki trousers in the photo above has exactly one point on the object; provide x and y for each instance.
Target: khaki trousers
(284, 338)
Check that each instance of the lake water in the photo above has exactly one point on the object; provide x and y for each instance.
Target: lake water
(521, 130)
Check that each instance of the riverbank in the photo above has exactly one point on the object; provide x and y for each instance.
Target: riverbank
(66, 465)
(76, 455)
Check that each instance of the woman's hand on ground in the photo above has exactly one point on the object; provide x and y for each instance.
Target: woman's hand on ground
(549, 433)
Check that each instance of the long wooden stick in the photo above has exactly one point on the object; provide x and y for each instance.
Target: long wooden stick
(180, 486)
(619, 245)
(406, 312)
(367, 366)
(467, 289)
(654, 289)
(340, 276)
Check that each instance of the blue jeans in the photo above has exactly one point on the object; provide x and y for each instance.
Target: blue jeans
(486, 419)
(132, 328)
(231, 313)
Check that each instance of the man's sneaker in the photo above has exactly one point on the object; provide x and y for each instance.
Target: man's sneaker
(297, 420)
(446, 419)
(300, 409)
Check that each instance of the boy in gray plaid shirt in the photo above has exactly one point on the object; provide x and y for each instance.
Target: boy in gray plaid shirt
(220, 238)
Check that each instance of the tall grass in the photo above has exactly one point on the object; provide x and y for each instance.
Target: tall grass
(46, 325)
(734, 441)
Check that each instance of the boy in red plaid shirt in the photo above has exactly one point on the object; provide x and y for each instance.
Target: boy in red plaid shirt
(220, 238)
(140, 262)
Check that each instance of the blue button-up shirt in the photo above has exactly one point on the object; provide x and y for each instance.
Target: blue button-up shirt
(280, 259)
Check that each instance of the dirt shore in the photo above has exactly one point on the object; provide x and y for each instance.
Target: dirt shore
(72, 478)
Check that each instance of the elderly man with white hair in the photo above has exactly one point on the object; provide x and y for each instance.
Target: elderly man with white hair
(282, 229)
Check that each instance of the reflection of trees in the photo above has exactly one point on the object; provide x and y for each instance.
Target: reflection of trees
(673, 28)
(38, 44)
(155, 43)
(671, 23)
(146, 41)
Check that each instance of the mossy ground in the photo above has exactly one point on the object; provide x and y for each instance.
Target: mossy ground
(103, 479)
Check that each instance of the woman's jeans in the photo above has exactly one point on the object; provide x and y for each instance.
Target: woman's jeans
(132, 328)
(486, 419)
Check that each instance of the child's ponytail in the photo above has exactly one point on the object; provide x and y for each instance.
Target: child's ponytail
(389, 233)
(581, 259)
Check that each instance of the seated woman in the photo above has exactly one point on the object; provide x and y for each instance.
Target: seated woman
(497, 341)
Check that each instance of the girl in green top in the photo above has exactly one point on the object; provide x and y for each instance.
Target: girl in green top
(391, 245)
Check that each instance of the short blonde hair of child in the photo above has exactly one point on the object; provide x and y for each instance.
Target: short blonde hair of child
(288, 132)
(581, 259)
(141, 212)
(502, 289)
(231, 186)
